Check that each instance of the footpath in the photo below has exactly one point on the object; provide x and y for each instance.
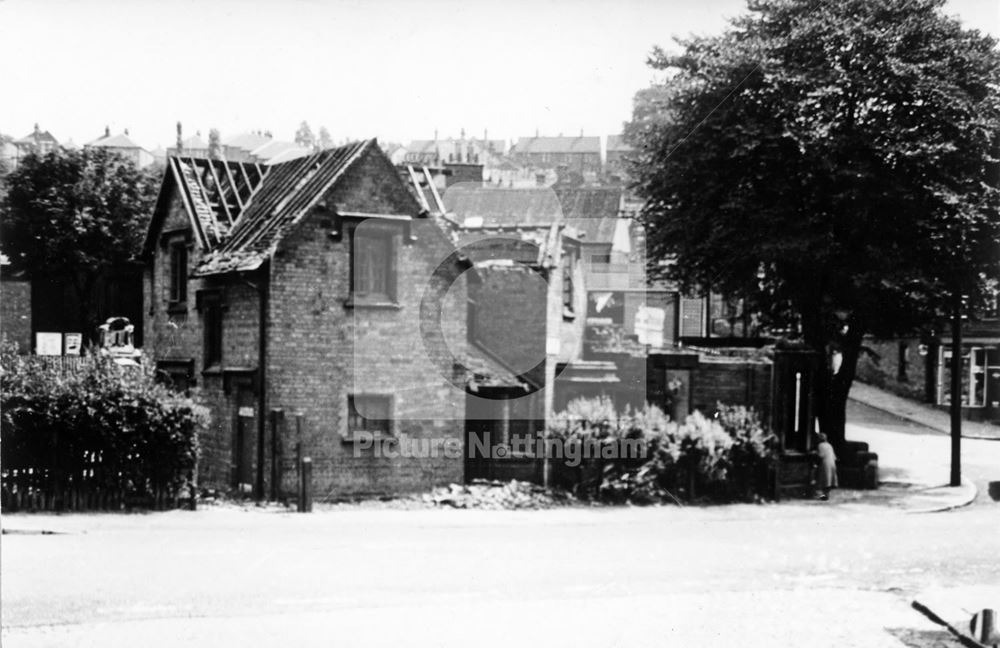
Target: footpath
(921, 413)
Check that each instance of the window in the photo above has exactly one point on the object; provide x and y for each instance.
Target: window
(567, 283)
(178, 272)
(973, 377)
(369, 415)
(373, 265)
(212, 313)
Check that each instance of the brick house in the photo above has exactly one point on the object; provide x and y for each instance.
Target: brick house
(315, 305)
(580, 154)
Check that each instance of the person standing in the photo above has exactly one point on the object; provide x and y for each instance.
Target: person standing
(827, 466)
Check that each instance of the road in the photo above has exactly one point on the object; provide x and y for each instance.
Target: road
(824, 574)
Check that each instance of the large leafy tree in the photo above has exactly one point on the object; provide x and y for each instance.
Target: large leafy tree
(71, 216)
(827, 162)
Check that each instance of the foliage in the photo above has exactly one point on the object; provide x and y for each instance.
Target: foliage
(825, 161)
(325, 140)
(214, 144)
(304, 136)
(74, 215)
(722, 457)
(60, 419)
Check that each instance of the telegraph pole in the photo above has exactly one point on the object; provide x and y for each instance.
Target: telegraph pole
(956, 390)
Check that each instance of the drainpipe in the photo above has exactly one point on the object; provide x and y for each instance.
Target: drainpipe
(263, 286)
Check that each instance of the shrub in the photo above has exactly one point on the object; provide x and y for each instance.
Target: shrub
(722, 458)
(95, 423)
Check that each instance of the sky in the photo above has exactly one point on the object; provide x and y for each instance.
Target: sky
(393, 69)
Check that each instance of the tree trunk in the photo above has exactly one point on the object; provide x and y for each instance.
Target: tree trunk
(834, 388)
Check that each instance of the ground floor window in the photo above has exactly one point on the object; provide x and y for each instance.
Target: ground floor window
(977, 362)
(369, 414)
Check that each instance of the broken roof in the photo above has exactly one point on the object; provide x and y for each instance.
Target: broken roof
(287, 193)
(213, 192)
(579, 144)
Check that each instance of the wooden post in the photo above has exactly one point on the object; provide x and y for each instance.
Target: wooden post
(277, 416)
(983, 628)
(298, 457)
(305, 486)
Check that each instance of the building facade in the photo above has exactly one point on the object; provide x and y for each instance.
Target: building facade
(317, 309)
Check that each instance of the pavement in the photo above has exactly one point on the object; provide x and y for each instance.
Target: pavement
(919, 475)
(921, 413)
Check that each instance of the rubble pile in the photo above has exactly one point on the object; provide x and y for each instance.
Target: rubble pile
(483, 494)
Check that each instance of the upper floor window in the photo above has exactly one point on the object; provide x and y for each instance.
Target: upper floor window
(178, 272)
(373, 264)
(211, 306)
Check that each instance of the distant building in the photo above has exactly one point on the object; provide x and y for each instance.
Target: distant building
(580, 154)
(239, 148)
(123, 146)
(618, 152)
(462, 150)
(38, 142)
(193, 146)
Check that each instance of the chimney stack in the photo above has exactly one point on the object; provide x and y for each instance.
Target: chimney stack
(107, 131)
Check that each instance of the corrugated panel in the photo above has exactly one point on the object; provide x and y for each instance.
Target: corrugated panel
(692, 317)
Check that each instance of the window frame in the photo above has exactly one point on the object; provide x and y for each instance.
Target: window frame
(212, 307)
(177, 292)
(386, 427)
(387, 237)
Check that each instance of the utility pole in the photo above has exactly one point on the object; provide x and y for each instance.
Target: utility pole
(956, 390)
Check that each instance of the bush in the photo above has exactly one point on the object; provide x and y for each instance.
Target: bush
(93, 423)
(723, 458)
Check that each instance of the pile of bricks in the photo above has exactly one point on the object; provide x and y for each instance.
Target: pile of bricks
(482, 494)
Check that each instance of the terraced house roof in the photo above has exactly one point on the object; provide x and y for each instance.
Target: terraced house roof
(558, 145)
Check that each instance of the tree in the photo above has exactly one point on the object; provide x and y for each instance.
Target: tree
(214, 144)
(304, 136)
(73, 215)
(325, 140)
(825, 162)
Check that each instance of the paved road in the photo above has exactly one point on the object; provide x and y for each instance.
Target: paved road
(808, 572)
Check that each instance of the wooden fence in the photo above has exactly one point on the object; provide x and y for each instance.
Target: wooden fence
(28, 488)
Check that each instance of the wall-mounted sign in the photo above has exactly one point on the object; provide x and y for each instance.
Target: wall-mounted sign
(649, 325)
(246, 412)
(73, 343)
(48, 344)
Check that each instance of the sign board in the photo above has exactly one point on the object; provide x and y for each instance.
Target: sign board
(649, 325)
(48, 344)
(73, 343)
(248, 412)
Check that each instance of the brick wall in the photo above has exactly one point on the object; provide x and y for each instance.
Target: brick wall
(320, 350)
(15, 312)
(732, 382)
(511, 316)
(178, 334)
